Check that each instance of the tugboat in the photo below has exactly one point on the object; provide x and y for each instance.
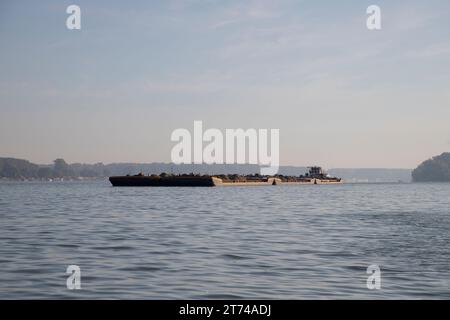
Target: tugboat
(317, 175)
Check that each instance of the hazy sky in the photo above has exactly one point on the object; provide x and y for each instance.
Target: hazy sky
(341, 95)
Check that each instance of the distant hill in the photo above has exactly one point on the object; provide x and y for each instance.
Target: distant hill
(436, 169)
(18, 169)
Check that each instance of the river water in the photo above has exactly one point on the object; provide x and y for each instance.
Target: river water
(268, 242)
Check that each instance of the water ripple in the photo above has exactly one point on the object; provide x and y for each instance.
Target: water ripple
(292, 242)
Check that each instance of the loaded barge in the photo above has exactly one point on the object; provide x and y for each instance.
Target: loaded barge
(314, 176)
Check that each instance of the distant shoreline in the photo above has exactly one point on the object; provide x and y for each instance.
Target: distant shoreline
(19, 169)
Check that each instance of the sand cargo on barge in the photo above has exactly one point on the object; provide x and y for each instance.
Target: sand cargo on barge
(314, 176)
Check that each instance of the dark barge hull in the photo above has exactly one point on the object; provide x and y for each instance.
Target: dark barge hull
(146, 181)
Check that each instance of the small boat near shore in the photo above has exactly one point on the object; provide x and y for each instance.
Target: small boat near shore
(314, 176)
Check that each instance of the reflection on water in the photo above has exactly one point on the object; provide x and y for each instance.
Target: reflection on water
(291, 242)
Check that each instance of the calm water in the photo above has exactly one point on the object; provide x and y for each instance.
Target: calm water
(292, 242)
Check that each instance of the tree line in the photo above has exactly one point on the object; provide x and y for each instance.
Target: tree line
(436, 169)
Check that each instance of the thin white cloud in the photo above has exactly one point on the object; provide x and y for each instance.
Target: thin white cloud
(432, 51)
(248, 11)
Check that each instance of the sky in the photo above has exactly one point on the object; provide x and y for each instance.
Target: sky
(114, 91)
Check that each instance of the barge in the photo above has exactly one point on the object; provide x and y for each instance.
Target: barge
(315, 176)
